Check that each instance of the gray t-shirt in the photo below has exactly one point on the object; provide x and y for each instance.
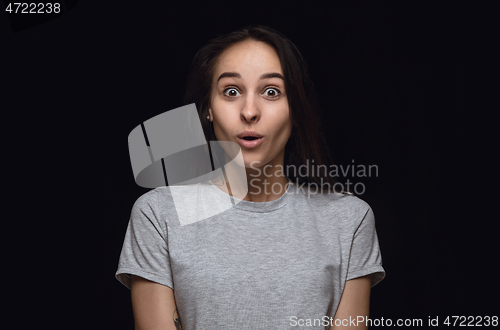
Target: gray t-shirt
(268, 265)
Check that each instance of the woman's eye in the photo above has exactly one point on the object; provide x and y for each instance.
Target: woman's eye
(232, 92)
(272, 92)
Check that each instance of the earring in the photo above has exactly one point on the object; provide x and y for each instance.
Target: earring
(208, 117)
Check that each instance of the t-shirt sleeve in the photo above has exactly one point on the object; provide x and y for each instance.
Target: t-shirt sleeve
(145, 249)
(365, 257)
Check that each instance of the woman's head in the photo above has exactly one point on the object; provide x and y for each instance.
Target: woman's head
(248, 95)
(228, 84)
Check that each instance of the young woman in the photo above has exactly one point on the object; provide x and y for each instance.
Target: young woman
(282, 256)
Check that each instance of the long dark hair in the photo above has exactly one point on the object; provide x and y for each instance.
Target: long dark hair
(306, 146)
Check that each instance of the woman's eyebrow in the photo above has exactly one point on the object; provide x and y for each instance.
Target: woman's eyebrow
(272, 75)
(229, 74)
(263, 76)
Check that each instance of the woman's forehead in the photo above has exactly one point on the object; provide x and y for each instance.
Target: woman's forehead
(248, 58)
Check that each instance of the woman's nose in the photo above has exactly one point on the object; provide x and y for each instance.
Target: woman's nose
(250, 110)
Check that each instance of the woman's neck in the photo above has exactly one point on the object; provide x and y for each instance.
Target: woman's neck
(264, 184)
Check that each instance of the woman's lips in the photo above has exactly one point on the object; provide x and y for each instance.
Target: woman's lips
(250, 143)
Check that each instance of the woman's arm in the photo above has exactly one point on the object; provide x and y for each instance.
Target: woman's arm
(153, 305)
(355, 301)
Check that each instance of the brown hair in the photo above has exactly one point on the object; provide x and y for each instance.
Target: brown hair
(306, 145)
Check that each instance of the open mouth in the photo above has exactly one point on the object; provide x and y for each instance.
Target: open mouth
(250, 141)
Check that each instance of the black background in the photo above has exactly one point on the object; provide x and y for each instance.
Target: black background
(391, 82)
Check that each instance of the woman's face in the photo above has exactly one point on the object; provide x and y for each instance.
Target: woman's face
(248, 94)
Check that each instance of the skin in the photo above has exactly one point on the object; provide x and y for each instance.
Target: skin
(251, 104)
(355, 301)
(248, 102)
(153, 305)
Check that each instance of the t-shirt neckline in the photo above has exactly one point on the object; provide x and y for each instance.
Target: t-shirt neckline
(255, 206)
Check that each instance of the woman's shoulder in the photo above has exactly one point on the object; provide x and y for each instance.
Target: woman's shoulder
(165, 191)
(157, 196)
(328, 198)
(343, 207)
